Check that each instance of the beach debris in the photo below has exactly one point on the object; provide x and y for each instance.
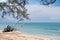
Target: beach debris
(8, 29)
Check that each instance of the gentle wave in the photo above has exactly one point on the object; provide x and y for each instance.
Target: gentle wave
(48, 29)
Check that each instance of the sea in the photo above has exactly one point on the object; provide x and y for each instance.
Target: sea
(45, 29)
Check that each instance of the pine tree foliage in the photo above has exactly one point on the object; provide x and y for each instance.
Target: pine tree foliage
(14, 7)
(47, 2)
(18, 7)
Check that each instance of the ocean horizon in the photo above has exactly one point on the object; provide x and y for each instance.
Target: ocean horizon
(45, 29)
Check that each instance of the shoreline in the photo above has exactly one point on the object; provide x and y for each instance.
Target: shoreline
(39, 35)
(21, 36)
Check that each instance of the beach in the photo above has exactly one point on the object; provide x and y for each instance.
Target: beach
(32, 31)
(21, 36)
(45, 29)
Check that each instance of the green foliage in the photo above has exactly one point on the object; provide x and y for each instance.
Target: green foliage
(48, 2)
(14, 7)
(18, 7)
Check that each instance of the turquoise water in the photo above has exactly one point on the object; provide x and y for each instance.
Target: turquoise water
(48, 29)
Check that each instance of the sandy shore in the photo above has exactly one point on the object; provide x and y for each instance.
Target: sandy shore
(21, 36)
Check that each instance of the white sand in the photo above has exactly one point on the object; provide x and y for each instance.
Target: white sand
(21, 36)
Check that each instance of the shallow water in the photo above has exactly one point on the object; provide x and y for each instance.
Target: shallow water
(46, 29)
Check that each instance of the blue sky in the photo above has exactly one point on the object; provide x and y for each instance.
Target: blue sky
(39, 13)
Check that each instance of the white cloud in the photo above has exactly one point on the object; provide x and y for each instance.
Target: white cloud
(43, 13)
(3, 0)
(39, 13)
(7, 19)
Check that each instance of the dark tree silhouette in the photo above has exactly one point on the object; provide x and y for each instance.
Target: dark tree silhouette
(18, 7)
(47, 2)
(14, 7)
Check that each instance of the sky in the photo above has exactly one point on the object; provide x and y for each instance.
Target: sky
(39, 13)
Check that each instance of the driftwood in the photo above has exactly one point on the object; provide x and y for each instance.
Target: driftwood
(8, 29)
